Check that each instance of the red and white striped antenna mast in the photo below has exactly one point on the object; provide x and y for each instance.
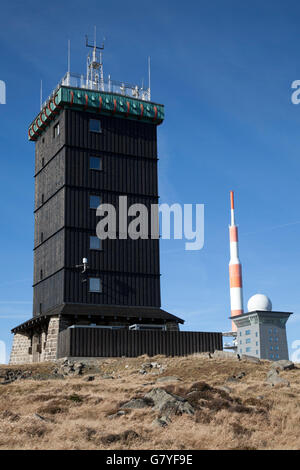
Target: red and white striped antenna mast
(235, 268)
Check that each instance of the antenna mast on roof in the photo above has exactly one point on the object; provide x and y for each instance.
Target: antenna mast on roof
(94, 75)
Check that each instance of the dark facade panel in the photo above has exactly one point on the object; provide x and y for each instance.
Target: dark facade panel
(133, 256)
(78, 212)
(117, 289)
(50, 217)
(49, 257)
(95, 342)
(50, 143)
(120, 172)
(50, 179)
(118, 135)
(48, 293)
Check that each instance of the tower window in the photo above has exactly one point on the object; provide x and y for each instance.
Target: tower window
(41, 274)
(42, 237)
(95, 243)
(95, 284)
(43, 162)
(56, 130)
(95, 202)
(96, 163)
(95, 125)
(43, 198)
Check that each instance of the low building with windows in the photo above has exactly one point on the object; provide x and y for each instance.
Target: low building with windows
(262, 333)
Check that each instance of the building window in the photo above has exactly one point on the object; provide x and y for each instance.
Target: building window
(95, 202)
(270, 331)
(95, 243)
(256, 352)
(96, 163)
(256, 334)
(275, 331)
(56, 130)
(271, 348)
(247, 332)
(248, 349)
(43, 162)
(95, 284)
(256, 343)
(42, 237)
(40, 308)
(43, 198)
(271, 339)
(277, 356)
(41, 274)
(271, 356)
(95, 125)
(248, 340)
(276, 339)
(276, 348)
(241, 341)
(241, 350)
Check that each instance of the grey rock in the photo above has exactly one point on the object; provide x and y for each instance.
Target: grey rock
(273, 378)
(225, 355)
(107, 377)
(169, 403)
(253, 359)
(137, 403)
(168, 378)
(283, 365)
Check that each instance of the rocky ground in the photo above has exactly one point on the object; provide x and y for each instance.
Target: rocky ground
(217, 401)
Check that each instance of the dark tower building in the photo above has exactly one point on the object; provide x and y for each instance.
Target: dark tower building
(95, 140)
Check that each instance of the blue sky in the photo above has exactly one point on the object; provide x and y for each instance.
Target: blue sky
(224, 72)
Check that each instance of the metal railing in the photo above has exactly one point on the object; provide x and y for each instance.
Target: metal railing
(110, 86)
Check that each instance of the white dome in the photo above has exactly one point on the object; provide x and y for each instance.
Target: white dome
(259, 302)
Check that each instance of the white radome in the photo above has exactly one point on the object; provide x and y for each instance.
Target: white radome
(259, 302)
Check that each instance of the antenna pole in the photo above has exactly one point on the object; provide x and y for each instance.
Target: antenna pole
(41, 95)
(149, 77)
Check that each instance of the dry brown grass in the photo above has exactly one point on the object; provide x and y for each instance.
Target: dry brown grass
(76, 413)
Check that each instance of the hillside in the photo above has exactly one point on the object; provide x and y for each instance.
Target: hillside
(201, 403)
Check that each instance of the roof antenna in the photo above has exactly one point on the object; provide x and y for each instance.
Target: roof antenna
(149, 78)
(41, 95)
(69, 62)
(94, 74)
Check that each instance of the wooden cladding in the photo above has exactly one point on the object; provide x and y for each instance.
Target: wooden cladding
(98, 342)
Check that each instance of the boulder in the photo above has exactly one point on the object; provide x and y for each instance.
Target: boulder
(137, 403)
(162, 422)
(283, 364)
(169, 403)
(273, 378)
(251, 359)
(225, 355)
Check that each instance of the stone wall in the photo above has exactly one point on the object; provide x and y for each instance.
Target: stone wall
(56, 325)
(20, 350)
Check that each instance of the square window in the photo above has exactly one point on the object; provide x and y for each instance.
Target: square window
(95, 202)
(95, 125)
(95, 284)
(96, 163)
(248, 340)
(271, 339)
(276, 339)
(95, 243)
(248, 332)
(248, 349)
(56, 130)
